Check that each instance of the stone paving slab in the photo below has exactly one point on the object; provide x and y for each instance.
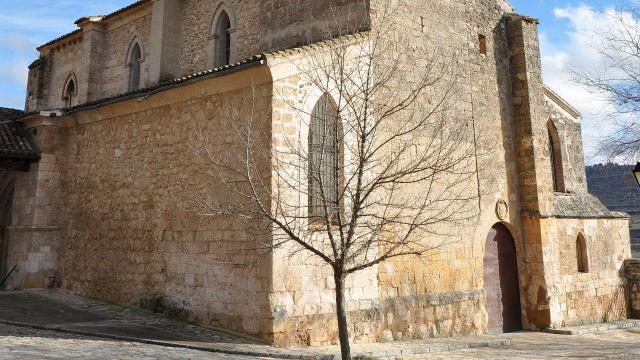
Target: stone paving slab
(109, 321)
(596, 328)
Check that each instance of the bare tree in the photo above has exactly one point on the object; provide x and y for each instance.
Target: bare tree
(617, 79)
(379, 165)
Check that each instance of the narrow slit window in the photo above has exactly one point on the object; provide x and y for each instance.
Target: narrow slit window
(482, 40)
(582, 255)
(555, 157)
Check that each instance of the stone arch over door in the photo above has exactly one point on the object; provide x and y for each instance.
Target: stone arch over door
(501, 282)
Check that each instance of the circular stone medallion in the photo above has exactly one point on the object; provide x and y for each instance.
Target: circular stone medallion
(502, 209)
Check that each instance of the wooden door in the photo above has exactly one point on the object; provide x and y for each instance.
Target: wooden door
(501, 282)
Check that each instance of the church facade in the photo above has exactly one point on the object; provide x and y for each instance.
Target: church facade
(111, 109)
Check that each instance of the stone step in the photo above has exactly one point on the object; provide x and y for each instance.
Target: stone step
(596, 328)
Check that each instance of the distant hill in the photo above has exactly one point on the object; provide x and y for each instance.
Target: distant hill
(616, 187)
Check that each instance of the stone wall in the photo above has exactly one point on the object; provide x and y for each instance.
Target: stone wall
(125, 168)
(38, 84)
(36, 224)
(64, 62)
(442, 294)
(128, 171)
(569, 130)
(259, 26)
(119, 37)
(197, 29)
(306, 21)
(599, 294)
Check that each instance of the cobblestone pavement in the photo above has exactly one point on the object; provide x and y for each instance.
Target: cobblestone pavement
(29, 344)
(67, 312)
(619, 344)
(23, 343)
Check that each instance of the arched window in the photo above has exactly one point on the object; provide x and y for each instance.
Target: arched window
(70, 92)
(324, 134)
(221, 38)
(135, 60)
(581, 254)
(555, 154)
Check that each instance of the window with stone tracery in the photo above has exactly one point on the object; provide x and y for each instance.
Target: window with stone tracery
(70, 92)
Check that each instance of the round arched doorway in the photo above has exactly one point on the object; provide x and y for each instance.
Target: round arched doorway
(501, 282)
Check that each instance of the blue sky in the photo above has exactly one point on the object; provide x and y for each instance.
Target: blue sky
(563, 30)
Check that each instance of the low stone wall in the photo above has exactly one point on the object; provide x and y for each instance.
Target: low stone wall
(401, 318)
(597, 295)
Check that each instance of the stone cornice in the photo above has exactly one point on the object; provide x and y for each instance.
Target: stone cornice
(561, 102)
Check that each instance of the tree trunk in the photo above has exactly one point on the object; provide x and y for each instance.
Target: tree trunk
(343, 331)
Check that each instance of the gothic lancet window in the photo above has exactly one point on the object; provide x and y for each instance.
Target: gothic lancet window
(555, 155)
(70, 92)
(222, 40)
(135, 59)
(323, 160)
(582, 255)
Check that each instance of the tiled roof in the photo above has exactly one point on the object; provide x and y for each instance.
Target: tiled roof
(9, 114)
(255, 60)
(16, 143)
(582, 206)
(74, 32)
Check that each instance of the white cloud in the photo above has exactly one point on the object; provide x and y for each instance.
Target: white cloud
(18, 52)
(581, 52)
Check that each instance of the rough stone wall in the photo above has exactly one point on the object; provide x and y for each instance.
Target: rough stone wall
(38, 84)
(123, 161)
(127, 237)
(442, 295)
(303, 297)
(454, 274)
(197, 29)
(118, 40)
(570, 133)
(598, 295)
(65, 61)
(305, 21)
(35, 231)
(553, 298)
(260, 26)
(264, 26)
(530, 116)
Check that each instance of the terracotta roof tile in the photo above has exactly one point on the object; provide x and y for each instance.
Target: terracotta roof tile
(16, 144)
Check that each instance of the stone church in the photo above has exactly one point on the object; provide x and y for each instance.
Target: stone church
(90, 168)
